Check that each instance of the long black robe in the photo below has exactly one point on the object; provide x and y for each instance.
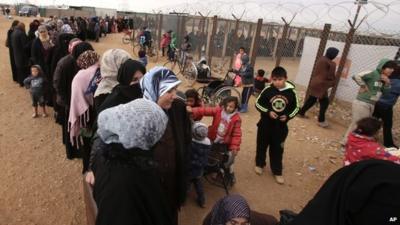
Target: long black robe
(11, 54)
(20, 49)
(363, 193)
(127, 190)
(172, 155)
(64, 73)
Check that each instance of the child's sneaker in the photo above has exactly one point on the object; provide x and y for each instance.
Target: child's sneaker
(44, 115)
(34, 115)
(279, 179)
(258, 170)
(323, 124)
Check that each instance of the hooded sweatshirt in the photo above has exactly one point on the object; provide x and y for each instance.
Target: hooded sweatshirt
(281, 101)
(373, 82)
(390, 98)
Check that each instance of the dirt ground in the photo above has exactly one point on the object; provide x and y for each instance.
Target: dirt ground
(38, 185)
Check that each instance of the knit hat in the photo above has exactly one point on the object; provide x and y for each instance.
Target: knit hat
(199, 131)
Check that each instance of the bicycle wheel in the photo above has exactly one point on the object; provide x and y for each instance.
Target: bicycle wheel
(203, 95)
(126, 39)
(190, 73)
(224, 92)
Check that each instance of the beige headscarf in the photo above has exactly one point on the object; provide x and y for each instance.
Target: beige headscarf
(109, 65)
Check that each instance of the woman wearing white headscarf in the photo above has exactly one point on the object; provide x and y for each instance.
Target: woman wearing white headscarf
(109, 65)
(127, 189)
(171, 153)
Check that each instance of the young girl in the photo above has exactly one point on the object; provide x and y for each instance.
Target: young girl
(193, 100)
(225, 130)
(362, 145)
(35, 84)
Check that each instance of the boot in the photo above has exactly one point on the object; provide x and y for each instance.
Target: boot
(244, 108)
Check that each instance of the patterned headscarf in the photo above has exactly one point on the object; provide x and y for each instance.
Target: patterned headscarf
(137, 124)
(157, 82)
(230, 207)
(109, 66)
(87, 59)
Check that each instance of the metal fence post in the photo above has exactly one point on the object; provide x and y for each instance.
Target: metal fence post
(276, 41)
(210, 46)
(346, 50)
(255, 43)
(281, 44)
(322, 45)
(160, 23)
(234, 41)
(225, 46)
(298, 40)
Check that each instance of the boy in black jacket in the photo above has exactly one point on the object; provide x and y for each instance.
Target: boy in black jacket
(277, 103)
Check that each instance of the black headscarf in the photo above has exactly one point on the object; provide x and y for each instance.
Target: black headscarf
(364, 193)
(127, 69)
(331, 53)
(124, 92)
(81, 48)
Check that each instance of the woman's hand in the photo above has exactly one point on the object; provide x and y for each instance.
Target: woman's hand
(90, 178)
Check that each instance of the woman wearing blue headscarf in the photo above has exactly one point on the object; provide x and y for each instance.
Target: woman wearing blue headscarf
(171, 153)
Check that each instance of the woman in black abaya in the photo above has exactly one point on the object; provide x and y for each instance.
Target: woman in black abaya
(364, 193)
(10, 50)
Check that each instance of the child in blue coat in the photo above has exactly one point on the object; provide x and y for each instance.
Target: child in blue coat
(200, 148)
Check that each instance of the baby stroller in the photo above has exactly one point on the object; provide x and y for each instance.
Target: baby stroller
(217, 171)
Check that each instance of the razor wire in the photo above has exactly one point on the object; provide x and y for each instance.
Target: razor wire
(379, 16)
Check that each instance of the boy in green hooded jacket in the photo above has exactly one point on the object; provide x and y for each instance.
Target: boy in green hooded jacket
(372, 85)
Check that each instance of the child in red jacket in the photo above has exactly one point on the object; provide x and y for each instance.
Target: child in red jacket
(225, 129)
(362, 145)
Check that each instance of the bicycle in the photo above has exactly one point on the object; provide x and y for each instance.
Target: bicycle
(186, 66)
